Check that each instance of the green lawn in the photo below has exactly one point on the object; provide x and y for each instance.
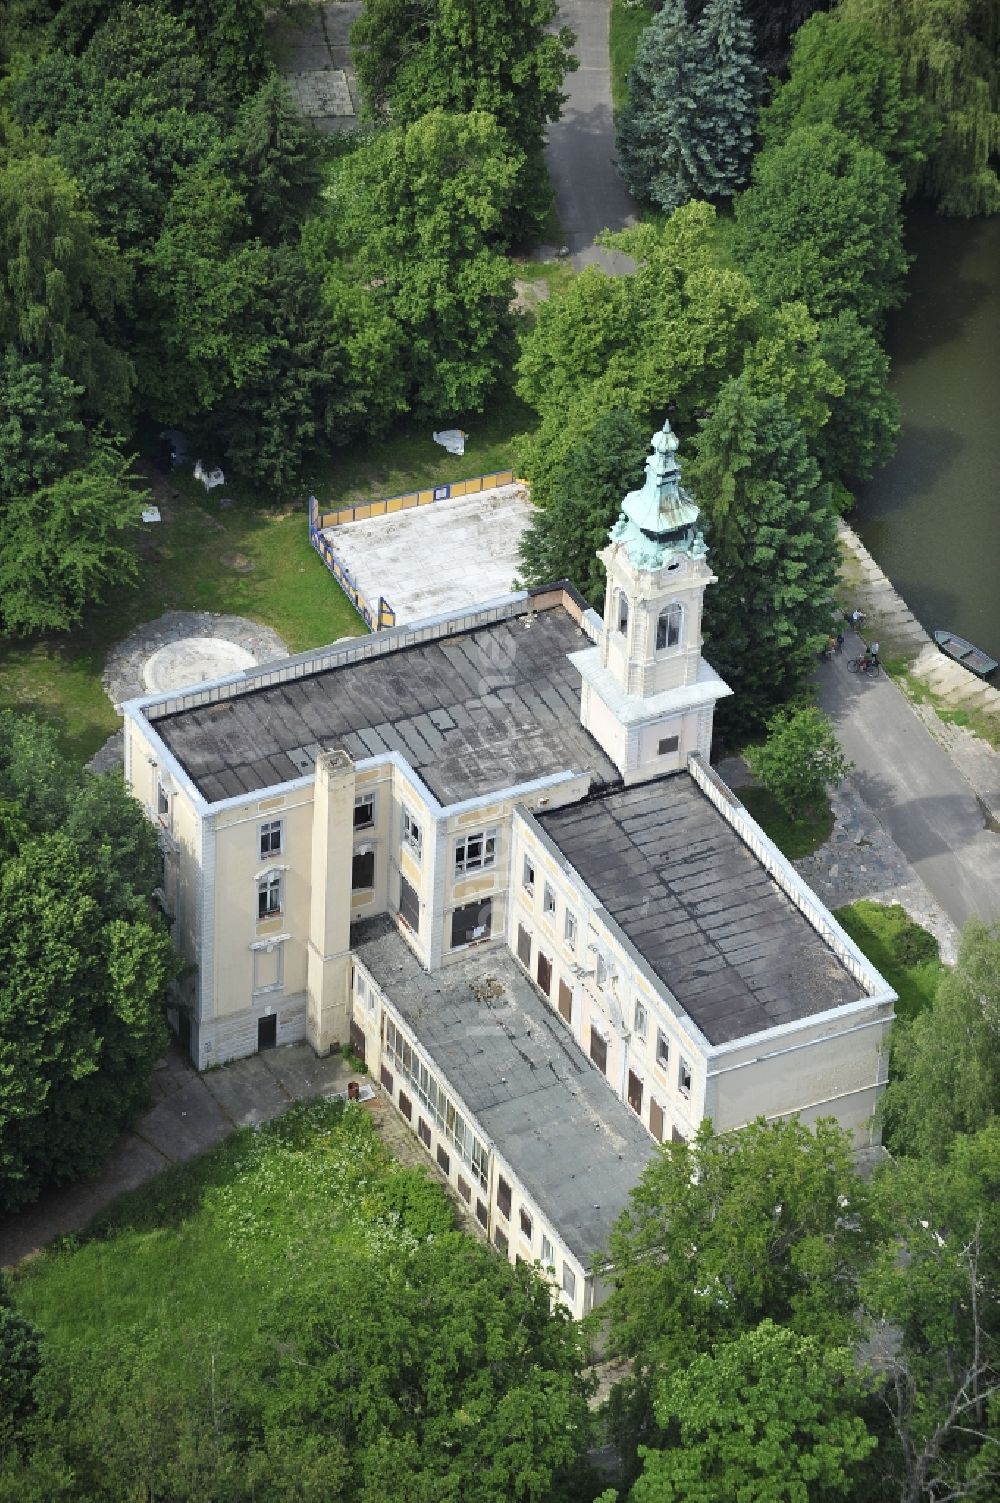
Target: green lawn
(906, 954)
(197, 560)
(793, 837)
(628, 22)
(207, 1245)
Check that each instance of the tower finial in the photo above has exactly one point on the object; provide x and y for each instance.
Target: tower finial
(660, 518)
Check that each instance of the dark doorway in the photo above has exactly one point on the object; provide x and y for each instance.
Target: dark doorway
(267, 1032)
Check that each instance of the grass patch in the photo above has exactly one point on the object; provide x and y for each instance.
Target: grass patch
(197, 560)
(628, 21)
(408, 457)
(793, 837)
(207, 1245)
(189, 565)
(904, 952)
(979, 722)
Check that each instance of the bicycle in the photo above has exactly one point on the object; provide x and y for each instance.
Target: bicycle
(864, 664)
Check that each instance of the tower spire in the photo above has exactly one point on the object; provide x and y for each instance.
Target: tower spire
(660, 518)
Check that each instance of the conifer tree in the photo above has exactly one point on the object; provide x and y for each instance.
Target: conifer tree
(729, 98)
(687, 129)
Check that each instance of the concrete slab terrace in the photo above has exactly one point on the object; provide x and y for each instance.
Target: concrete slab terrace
(313, 49)
(575, 1147)
(714, 925)
(443, 557)
(472, 711)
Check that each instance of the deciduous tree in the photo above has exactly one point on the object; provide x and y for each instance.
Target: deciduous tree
(936, 1092)
(728, 1230)
(772, 1415)
(800, 761)
(66, 544)
(851, 255)
(949, 53)
(580, 468)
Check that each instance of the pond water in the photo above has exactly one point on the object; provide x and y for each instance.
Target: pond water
(931, 518)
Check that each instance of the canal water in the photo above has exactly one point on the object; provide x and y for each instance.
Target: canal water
(931, 518)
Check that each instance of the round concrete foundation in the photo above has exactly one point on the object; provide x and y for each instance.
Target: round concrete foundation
(193, 660)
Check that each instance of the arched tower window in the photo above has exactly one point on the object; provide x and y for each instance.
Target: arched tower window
(622, 612)
(668, 626)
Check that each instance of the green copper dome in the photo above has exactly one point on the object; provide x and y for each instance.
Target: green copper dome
(660, 519)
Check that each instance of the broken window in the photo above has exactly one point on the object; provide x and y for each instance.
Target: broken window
(548, 901)
(409, 905)
(683, 1076)
(363, 871)
(599, 1050)
(364, 811)
(528, 875)
(412, 835)
(471, 922)
(662, 1048)
(569, 929)
(474, 853)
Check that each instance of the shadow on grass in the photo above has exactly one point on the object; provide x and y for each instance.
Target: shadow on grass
(795, 838)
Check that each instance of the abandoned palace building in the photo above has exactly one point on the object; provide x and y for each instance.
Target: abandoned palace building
(489, 850)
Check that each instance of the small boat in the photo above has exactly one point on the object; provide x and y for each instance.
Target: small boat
(963, 652)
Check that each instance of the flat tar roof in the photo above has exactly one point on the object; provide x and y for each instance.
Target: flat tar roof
(472, 712)
(694, 900)
(575, 1147)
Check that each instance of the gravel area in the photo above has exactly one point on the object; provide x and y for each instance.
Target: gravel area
(123, 677)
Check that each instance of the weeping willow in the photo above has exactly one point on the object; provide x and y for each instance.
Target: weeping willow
(950, 51)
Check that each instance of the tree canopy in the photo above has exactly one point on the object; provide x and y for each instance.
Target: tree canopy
(800, 760)
(85, 963)
(851, 257)
(693, 91)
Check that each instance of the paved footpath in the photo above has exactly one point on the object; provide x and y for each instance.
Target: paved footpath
(190, 1113)
(914, 788)
(590, 196)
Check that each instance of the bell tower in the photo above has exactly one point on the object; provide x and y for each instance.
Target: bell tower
(648, 695)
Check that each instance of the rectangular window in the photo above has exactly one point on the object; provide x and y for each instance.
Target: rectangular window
(385, 1076)
(364, 811)
(412, 836)
(683, 1076)
(569, 1281)
(269, 896)
(565, 1001)
(525, 1224)
(667, 745)
(524, 946)
(271, 838)
(528, 875)
(601, 976)
(548, 1252)
(599, 1050)
(639, 1019)
(479, 1160)
(406, 1106)
(635, 1093)
(569, 929)
(464, 1189)
(424, 1132)
(482, 1214)
(656, 1119)
(474, 853)
(548, 901)
(500, 1238)
(444, 1162)
(471, 922)
(503, 1196)
(544, 973)
(162, 799)
(358, 1041)
(363, 871)
(662, 1049)
(409, 905)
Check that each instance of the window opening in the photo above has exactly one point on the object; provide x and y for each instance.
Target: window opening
(668, 627)
(364, 811)
(269, 897)
(474, 853)
(270, 838)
